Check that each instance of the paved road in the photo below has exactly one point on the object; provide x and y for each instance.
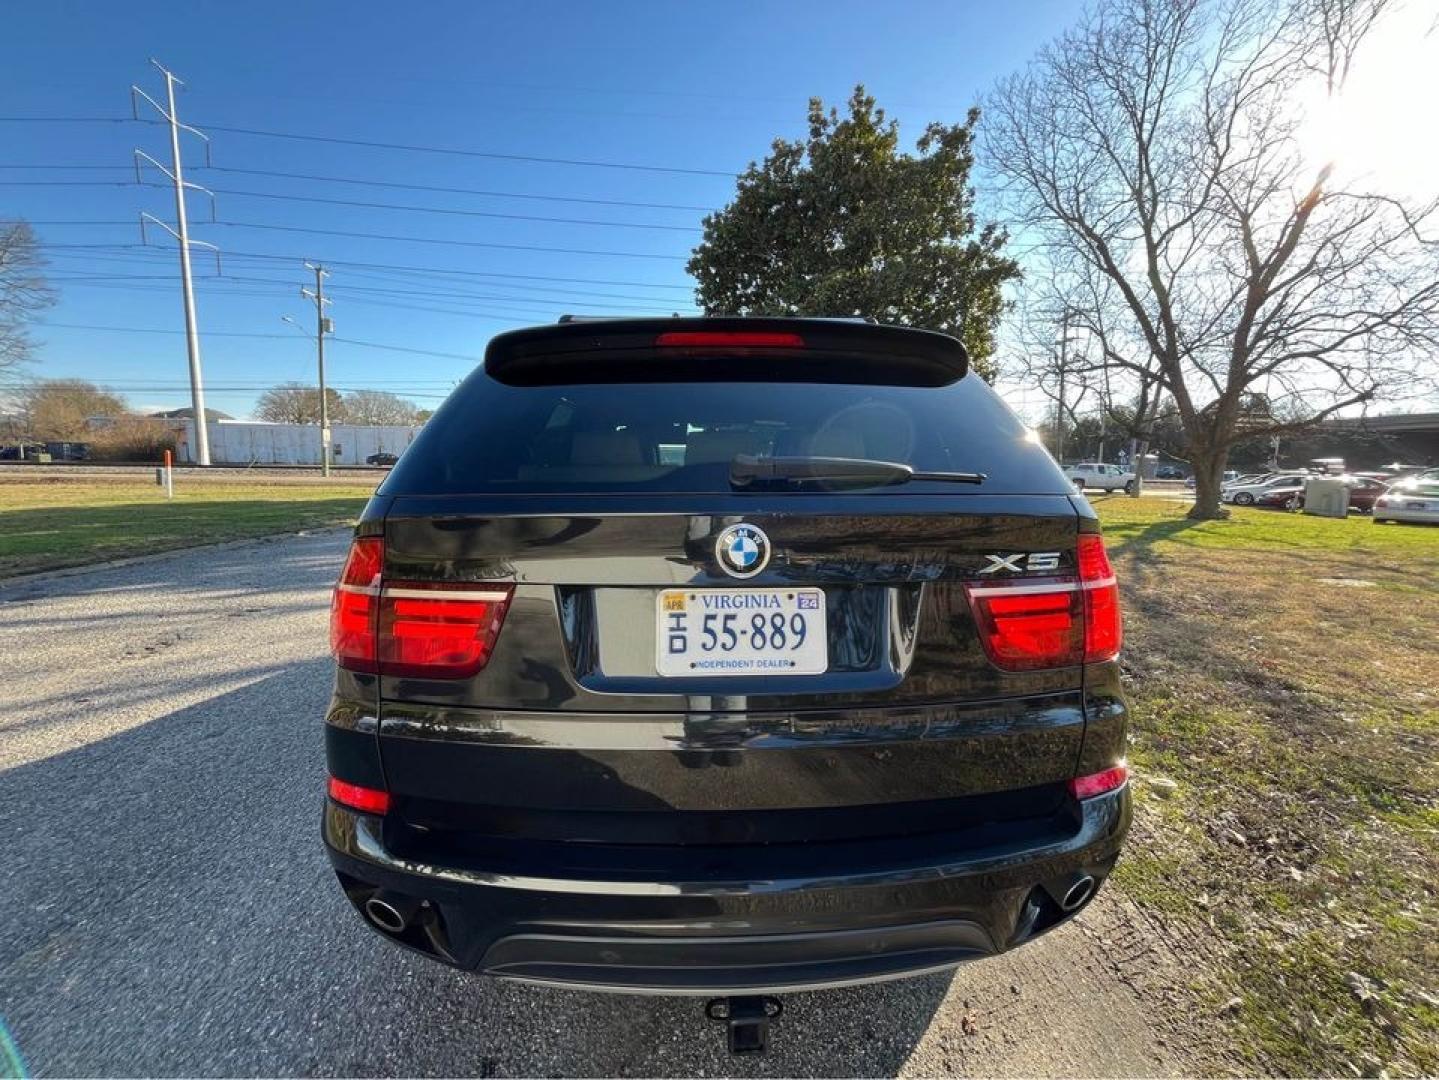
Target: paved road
(165, 906)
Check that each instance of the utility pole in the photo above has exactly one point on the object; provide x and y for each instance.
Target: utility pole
(1063, 366)
(322, 327)
(182, 234)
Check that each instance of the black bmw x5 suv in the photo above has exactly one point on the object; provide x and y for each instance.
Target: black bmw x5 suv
(724, 656)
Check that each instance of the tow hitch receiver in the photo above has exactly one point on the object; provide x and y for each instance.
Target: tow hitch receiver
(748, 1019)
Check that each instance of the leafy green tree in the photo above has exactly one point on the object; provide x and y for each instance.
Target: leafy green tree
(844, 224)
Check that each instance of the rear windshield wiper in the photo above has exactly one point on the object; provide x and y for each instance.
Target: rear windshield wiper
(746, 471)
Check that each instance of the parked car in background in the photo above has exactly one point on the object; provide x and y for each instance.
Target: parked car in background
(1228, 478)
(1246, 478)
(1245, 494)
(382, 458)
(1095, 474)
(1410, 481)
(1419, 503)
(1169, 472)
(1288, 496)
(1364, 491)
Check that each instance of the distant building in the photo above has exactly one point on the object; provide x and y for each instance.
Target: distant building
(255, 442)
(187, 413)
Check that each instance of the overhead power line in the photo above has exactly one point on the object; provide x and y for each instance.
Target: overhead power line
(397, 239)
(70, 183)
(533, 311)
(67, 119)
(448, 243)
(407, 147)
(565, 298)
(455, 211)
(274, 337)
(409, 268)
(460, 152)
(463, 191)
(571, 296)
(365, 182)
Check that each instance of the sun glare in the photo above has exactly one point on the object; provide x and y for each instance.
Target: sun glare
(1378, 130)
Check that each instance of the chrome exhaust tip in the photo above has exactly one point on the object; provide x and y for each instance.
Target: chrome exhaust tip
(391, 912)
(1078, 893)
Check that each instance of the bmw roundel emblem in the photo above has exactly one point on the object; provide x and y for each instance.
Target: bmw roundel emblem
(743, 550)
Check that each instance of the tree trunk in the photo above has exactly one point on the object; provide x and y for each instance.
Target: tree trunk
(1136, 464)
(1208, 475)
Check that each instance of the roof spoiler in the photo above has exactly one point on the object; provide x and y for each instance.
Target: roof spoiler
(725, 349)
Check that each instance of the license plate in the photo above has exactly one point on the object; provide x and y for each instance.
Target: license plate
(702, 632)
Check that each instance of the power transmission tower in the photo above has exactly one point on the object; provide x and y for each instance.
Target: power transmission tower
(322, 327)
(181, 233)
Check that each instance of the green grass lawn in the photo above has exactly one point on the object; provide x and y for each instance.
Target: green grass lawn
(1156, 520)
(1283, 675)
(47, 525)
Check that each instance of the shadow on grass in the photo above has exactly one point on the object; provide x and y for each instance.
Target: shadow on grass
(1141, 538)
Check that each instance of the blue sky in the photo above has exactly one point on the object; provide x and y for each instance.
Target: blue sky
(700, 90)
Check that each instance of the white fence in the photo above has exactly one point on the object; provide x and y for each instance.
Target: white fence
(245, 442)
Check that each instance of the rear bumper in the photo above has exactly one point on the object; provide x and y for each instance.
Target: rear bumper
(733, 921)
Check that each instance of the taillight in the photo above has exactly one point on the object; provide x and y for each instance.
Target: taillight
(1103, 629)
(1087, 787)
(1029, 626)
(436, 630)
(439, 631)
(1033, 623)
(355, 605)
(364, 799)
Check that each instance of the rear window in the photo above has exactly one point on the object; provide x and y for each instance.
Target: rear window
(681, 437)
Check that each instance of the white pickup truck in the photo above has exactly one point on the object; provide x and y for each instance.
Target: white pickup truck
(1094, 474)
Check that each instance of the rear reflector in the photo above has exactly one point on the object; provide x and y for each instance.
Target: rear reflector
(737, 339)
(1031, 623)
(366, 800)
(432, 630)
(1087, 787)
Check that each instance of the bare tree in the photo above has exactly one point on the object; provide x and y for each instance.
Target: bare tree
(296, 403)
(1102, 366)
(379, 407)
(60, 410)
(24, 291)
(1155, 151)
